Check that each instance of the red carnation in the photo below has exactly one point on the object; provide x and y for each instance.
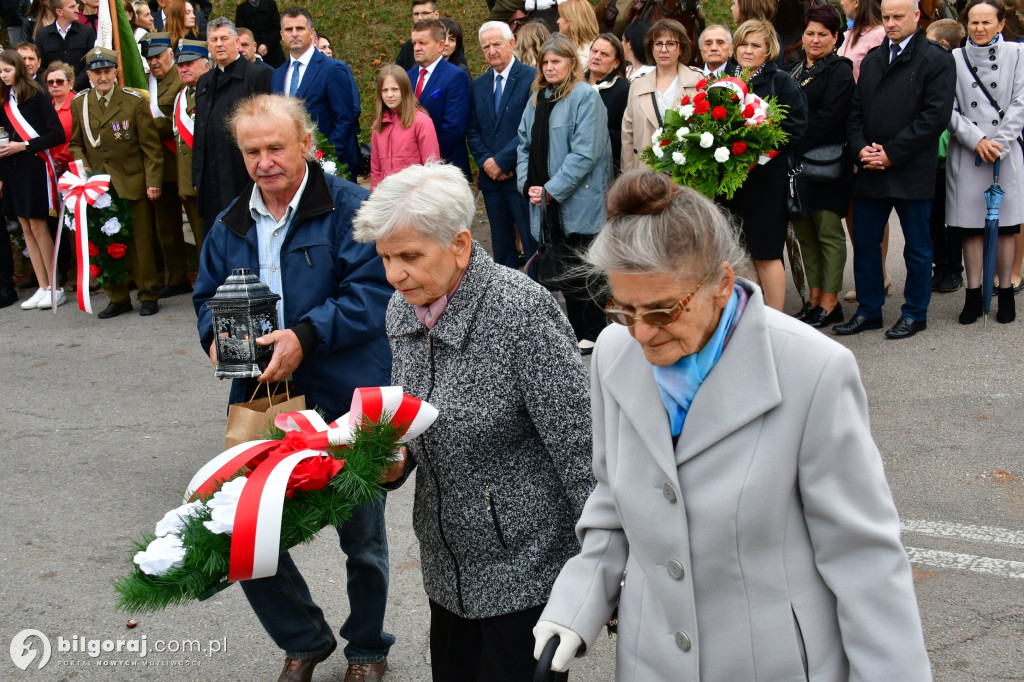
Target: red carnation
(665, 143)
(685, 100)
(701, 84)
(319, 154)
(701, 107)
(313, 474)
(700, 97)
(748, 111)
(738, 148)
(117, 251)
(94, 270)
(734, 97)
(93, 250)
(718, 113)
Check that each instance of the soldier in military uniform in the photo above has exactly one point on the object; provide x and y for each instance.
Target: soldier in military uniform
(164, 86)
(193, 61)
(114, 133)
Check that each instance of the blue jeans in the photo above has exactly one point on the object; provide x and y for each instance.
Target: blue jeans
(296, 624)
(508, 210)
(869, 217)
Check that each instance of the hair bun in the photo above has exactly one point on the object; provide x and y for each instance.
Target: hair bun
(640, 192)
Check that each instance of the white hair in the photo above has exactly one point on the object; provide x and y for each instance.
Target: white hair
(434, 199)
(506, 32)
(712, 27)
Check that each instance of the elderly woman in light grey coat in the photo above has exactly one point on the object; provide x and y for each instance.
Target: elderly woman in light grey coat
(505, 470)
(980, 130)
(741, 522)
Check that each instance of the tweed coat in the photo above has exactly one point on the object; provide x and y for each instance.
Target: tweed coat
(505, 469)
(973, 118)
(765, 546)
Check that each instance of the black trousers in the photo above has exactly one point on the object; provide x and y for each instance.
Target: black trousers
(947, 243)
(585, 315)
(498, 649)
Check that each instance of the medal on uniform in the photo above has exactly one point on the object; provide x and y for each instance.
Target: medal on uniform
(126, 125)
(117, 130)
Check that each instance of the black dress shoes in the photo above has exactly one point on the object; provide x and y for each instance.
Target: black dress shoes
(175, 290)
(8, 296)
(818, 318)
(857, 324)
(905, 328)
(803, 312)
(114, 309)
(149, 308)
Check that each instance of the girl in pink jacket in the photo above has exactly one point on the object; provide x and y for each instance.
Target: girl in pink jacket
(403, 134)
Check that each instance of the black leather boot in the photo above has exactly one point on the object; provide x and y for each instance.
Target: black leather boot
(972, 306)
(1007, 308)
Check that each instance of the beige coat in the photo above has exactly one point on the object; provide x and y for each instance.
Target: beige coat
(641, 118)
(766, 545)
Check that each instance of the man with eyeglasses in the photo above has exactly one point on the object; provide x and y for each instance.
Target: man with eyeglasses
(421, 10)
(66, 40)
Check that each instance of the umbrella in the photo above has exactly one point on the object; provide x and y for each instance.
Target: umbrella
(993, 198)
(796, 264)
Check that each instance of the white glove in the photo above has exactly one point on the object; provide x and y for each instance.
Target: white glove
(538, 4)
(565, 654)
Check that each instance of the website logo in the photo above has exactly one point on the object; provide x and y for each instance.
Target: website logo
(23, 653)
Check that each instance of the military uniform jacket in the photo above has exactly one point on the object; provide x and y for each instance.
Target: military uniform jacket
(166, 90)
(185, 186)
(129, 144)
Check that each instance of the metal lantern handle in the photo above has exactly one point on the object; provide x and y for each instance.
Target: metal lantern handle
(544, 673)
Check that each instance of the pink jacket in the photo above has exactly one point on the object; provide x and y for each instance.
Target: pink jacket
(395, 147)
(868, 39)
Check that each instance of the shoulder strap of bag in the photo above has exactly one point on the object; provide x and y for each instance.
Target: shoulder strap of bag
(984, 91)
(657, 114)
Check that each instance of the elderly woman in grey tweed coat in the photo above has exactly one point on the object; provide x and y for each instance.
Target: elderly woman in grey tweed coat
(506, 469)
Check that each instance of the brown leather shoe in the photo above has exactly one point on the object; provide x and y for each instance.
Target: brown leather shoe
(366, 672)
(301, 669)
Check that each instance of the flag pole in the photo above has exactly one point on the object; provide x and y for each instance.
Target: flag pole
(116, 41)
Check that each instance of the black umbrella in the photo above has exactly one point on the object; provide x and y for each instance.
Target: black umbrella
(993, 198)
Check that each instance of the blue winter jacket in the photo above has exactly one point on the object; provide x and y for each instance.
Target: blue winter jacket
(335, 292)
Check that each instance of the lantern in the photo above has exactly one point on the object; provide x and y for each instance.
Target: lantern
(244, 309)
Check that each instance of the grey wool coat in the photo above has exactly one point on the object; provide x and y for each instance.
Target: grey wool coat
(973, 118)
(505, 470)
(765, 546)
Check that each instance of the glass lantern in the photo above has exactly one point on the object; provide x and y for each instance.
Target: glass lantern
(244, 309)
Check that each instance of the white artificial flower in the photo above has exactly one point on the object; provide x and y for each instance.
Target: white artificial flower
(706, 140)
(111, 227)
(686, 111)
(69, 221)
(721, 155)
(678, 158)
(102, 201)
(174, 520)
(656, 137)
(657, 151)
(330, 167)
(224, 503)
(161, 555)
(681, 132)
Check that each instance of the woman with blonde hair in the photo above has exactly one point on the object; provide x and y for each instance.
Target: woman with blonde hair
(530, 38)
(577, 21)
(402, 133)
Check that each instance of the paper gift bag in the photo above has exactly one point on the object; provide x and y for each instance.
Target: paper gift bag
(254, 420)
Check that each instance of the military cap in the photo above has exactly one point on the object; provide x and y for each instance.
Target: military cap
(100, 58)
(191, 50)
(154, 43)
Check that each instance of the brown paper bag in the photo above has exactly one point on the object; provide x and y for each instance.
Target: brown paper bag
(255, 419)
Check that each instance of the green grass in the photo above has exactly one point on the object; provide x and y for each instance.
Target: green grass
(367, 34)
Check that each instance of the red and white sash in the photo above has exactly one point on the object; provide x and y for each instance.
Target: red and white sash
(27, 132)
(183, 123)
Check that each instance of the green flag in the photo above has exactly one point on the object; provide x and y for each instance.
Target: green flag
(131, 60)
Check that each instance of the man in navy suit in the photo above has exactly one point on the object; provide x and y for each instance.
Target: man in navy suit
(500, 96)
(326, 85)
(443, 90)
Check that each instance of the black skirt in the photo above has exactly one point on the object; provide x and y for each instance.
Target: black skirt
(24, 190)
(760, 207)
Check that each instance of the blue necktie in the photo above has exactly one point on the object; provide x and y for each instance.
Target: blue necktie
(497, 94)
(894, 51)
(294, 86)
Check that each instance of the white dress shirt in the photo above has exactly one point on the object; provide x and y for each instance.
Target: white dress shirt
(304, 61)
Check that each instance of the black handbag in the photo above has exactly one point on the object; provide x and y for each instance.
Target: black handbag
(823, 163)
(554, 256)
(797, 187)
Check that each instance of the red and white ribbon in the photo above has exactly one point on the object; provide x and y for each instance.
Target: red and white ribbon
(736, 85)
(183, 123)
(79, 192)
(27, 132)
(256, 536)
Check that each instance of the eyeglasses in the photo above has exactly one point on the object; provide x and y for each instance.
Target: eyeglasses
(667, 45)
(662, 317)
(60, 81)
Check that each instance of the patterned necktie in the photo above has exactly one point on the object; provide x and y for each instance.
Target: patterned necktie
(420, 82)
(497, 94)
(293, 87)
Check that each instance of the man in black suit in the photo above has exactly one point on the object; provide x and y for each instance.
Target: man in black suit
(218, 171)
(66, 40)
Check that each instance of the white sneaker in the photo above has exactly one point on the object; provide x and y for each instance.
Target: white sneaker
(58, 300)
(33, 301)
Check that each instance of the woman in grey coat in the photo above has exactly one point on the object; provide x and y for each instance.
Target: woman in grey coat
(505, 470)
(741, 522)
(979, 130)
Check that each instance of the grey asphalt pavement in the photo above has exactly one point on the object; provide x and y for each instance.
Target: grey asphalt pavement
(106, 421)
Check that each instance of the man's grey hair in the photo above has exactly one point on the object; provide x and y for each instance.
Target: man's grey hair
(433, 199)
(722, 27)
(222, 22)
(506, 32)
(262, 105)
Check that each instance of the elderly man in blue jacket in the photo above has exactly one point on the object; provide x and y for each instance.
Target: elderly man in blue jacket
(293, 226)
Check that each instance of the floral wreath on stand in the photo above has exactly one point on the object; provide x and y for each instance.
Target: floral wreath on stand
(109, 229)
(711, 143)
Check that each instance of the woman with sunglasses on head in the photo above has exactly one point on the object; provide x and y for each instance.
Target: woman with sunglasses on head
(741, 522)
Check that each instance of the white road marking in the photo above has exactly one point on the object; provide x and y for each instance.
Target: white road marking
(966, 562)
(965, 531)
